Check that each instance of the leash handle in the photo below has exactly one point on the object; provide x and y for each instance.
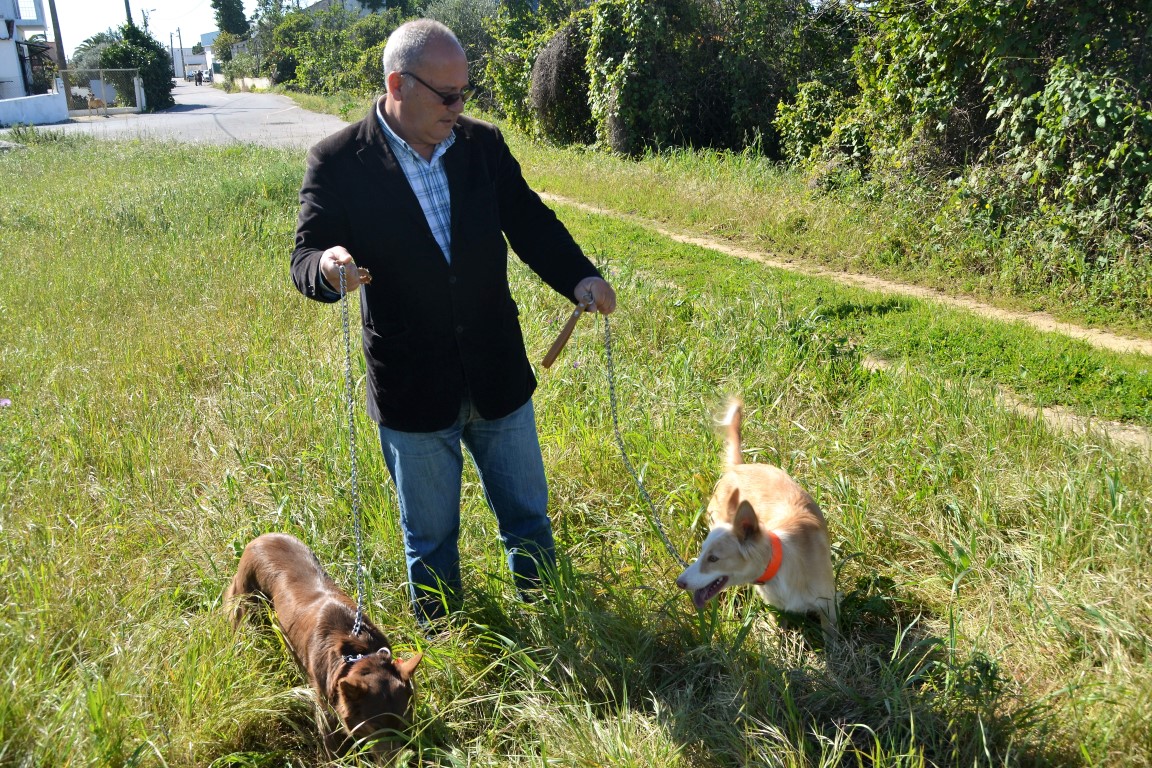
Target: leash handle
(562, 339)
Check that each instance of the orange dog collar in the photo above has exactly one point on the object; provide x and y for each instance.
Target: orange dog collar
(773, 562)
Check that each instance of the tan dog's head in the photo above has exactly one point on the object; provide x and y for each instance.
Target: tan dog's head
(737, 547)
(375, 696)
(735, 551)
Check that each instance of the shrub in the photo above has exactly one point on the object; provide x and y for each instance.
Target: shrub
(471, 21)
(241, 65)
(807, 122)
(686, 72)
(559, 89)
(138, 50)
(508, 69)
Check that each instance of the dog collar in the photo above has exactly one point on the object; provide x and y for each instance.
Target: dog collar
(774, 561)
(352, 658)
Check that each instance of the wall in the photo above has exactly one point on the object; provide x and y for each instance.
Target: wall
(11, 82)
(252, 83)
(34, 110)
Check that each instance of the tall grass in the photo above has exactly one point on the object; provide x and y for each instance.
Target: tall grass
(173, 396)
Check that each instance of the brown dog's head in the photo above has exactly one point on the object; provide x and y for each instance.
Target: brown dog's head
(375, 696)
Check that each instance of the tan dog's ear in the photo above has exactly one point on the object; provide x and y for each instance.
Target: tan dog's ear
(407, 666)
(745, 524)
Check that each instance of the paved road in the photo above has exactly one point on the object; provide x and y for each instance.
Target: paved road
(206, 114)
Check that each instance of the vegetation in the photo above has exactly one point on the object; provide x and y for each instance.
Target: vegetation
(1023, 129)
(137, 49)
(88, 55)
(165, 395)
(230, 17)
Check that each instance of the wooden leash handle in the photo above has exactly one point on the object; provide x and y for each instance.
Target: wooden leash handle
(562, 339)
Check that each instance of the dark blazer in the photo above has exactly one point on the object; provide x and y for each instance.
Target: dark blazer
(433, 331)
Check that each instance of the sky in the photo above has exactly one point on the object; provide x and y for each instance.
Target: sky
(81, 19)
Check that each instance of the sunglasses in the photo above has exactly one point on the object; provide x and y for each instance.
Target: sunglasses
(447, 99)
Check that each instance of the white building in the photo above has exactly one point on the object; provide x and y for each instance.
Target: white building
(19, 21)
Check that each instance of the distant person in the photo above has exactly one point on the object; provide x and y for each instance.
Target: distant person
(199, 77)
(416, 201)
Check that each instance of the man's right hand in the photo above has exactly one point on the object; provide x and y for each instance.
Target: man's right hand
(330, 262)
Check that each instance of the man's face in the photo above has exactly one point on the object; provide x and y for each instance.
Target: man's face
(423, 120)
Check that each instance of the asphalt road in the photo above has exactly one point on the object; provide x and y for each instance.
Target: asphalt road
(205, 114)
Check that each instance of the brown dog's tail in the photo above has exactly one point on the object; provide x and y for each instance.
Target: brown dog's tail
(732, 454)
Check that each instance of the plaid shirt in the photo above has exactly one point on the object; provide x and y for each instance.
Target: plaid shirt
(428, 181)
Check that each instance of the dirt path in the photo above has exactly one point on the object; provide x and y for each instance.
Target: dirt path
(1058, 418)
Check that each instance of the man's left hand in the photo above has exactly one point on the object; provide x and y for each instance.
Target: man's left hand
(596, 295)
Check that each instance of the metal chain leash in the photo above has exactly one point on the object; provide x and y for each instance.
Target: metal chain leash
(624, 453)
(349, 390)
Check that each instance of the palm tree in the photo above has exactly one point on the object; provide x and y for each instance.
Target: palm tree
(87, 54)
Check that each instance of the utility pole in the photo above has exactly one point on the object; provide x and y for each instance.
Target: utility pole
(183, 66)
(128, 12)
(61, 59)
(172, 55)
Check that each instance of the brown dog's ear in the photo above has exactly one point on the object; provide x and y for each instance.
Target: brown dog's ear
(407, 666)
(385, 653)
(745, 524)
(349, 691)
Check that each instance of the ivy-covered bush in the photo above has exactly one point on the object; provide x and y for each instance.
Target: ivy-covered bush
(1076, 157)
(688, 72)
(559, 85)
(805, 123)
(1020, 115)
(508, 71)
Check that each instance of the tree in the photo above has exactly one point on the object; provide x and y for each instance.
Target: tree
(222, 46)
(88, 54)
(230, 17)
(139, 50)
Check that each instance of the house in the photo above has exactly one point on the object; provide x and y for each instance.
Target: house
(25, 81)
(21, 20)
(360, 8)
(207, 42)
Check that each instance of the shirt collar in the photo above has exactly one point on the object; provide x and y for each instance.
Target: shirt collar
(397, 142)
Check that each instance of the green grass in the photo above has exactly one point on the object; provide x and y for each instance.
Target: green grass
(172, 396)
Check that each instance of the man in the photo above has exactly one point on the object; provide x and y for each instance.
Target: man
(415, 201)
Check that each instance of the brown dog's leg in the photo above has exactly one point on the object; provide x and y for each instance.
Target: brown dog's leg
(239, 595)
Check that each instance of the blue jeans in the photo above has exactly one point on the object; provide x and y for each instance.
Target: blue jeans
(426, 468)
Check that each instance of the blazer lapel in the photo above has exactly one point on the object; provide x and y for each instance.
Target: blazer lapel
(456, 163)
(384, 170)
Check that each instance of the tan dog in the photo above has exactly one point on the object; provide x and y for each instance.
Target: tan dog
(764, 530)
(96, 104)
(355, 675)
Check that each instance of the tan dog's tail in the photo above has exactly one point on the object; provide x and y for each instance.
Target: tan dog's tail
(732, 455)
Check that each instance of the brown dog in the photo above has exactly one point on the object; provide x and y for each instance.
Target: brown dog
(764, 530)
(355, 675)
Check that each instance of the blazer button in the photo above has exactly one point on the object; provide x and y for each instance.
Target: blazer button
(459, 329)
(452, 279)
